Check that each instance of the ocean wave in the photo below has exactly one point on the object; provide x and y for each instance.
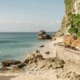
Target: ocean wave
(8, 41)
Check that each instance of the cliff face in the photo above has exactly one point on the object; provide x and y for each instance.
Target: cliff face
(72, 7)
(76, 7)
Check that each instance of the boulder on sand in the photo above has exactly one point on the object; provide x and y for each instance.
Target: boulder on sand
(42, 32)
(76, 43)
(33, 58)
(43, 35)
(41, 46)
(7, 63)
(47, 52)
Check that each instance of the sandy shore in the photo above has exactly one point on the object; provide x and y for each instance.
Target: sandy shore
(32, 73)
(49, 46)
(6, 77)
(49, 68)
(38, 72)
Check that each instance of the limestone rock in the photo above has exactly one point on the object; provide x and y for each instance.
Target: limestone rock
(47, 52)
(76, 43)
(43, 35)
(41, 46)
(75, 76)
(10, 62)
(33, 58)
(69, 40)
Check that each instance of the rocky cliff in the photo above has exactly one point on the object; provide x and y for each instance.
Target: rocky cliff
(72, 14)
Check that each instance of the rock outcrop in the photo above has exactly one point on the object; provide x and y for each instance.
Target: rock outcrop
(11, 65)
(71, 41)
(68, 55)
(33, 58)
(10, 62)
(76, 43)
(43, 35)
(39, 62)
(72, 7)
(68, 40)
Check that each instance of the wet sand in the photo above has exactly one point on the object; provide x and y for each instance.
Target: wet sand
(6, 77)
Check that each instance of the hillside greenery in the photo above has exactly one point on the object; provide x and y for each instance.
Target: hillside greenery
(71, 20)
(69, 5)
(75, 24)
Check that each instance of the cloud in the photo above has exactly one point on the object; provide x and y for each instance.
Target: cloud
(56, 22)
(27, 25)
(28, 22)
(14, 22)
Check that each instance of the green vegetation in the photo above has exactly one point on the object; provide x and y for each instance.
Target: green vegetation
(69, 9)
(75, 20)
(75, 24)
(71, 20)
(69, 5)
(59, 30)
(72, 30)
(78, 33)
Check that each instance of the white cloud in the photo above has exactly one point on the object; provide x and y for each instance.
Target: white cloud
(14, 22)
(56, 22)
(27, 25)
(29, 22)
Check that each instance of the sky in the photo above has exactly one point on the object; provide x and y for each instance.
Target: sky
(31, 15)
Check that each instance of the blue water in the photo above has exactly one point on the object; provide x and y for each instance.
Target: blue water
(16, 46)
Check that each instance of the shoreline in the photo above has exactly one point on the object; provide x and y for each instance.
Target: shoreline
(33, 48)
(42, 66)
(37, 47)
(48, 46)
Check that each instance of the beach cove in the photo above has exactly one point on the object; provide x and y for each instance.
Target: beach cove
(49, 66)
(16, 46)
(43, 56)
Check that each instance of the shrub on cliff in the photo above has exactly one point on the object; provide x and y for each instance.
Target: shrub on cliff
(78, 33)
(69, 5)
(75, 24)
(72, 30)
(75, 20)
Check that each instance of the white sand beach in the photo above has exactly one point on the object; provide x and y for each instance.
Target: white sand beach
(49, 68)
(35, 73)
(45, 73)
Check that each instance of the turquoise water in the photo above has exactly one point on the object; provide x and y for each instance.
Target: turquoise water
(16, 46)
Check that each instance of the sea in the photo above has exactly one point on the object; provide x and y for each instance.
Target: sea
(16, 46)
